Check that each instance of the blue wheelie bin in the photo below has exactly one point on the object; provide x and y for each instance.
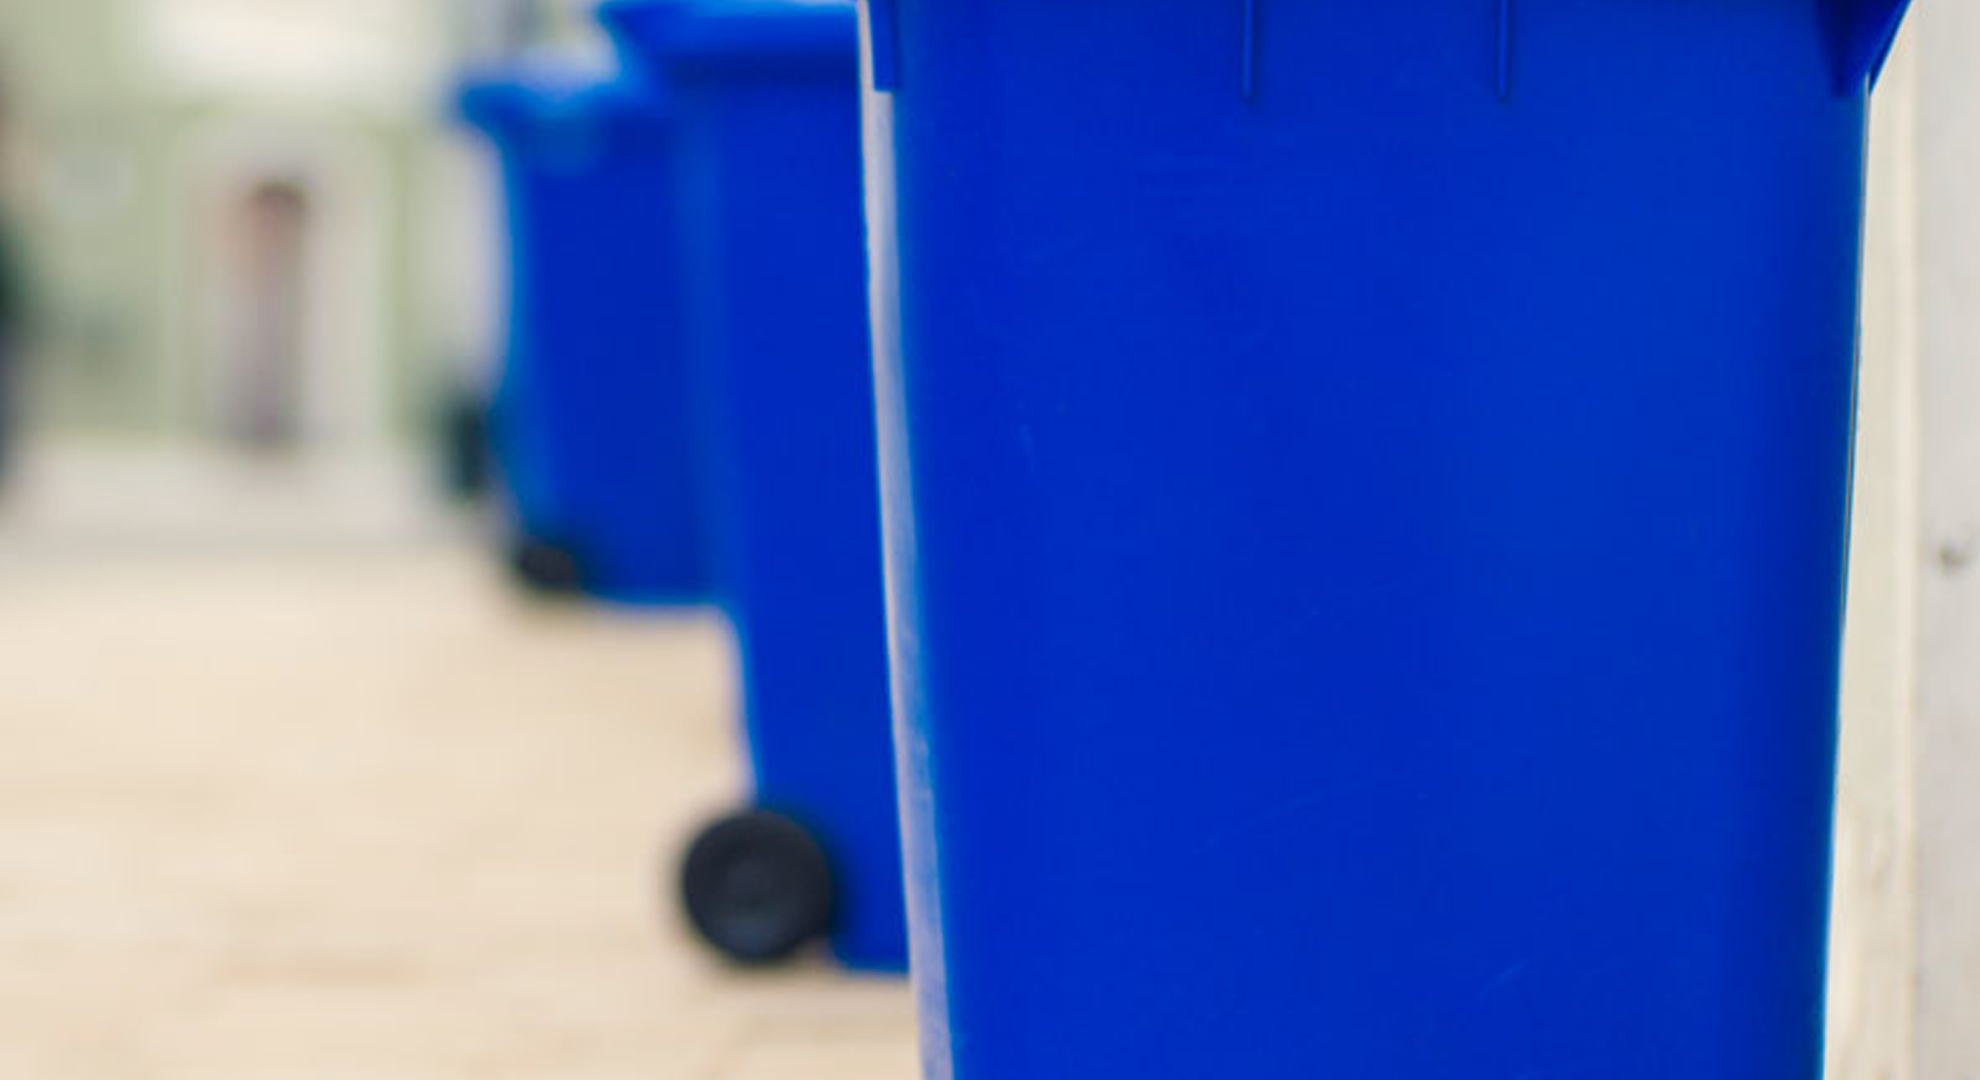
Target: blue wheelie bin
(768, 127)
(592, 432)
(1367, 497)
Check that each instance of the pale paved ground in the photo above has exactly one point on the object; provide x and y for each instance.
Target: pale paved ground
(291, 801)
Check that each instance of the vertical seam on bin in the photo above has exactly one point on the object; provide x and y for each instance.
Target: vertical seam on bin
(883, 45)
(1505, 49)
(1250, 79)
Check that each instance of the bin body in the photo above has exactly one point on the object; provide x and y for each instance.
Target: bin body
(592, 417)
(1367, 503)
(767, 98)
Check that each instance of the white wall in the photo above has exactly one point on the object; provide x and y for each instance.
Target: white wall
(1946, 43)
(1907, 972)
(1873, 996)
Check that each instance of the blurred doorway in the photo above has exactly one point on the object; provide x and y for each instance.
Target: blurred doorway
(265, 334)
(287, 237)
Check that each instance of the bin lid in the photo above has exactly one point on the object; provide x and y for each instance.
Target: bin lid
(536, 96)
(761, 33)
(1862, 32)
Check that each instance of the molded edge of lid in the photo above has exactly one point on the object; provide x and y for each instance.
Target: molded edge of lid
(540, 97)
(1866, 31)
(766, 32)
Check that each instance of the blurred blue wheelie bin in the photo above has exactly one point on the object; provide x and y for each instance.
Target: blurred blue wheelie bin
(591, 424)
(1367, 491)
(766, 98)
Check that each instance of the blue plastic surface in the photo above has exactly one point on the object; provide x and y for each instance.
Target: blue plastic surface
(1367, 499)
(767, 98)
(592, 413)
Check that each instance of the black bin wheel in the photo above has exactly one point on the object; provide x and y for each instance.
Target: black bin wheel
(545, 568)
(757, 887)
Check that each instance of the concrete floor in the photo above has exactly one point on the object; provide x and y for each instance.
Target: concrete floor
(275, 809)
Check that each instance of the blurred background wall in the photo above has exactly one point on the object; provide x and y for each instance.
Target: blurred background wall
(243, 222)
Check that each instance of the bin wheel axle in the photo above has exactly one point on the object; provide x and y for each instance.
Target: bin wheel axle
(544, 567)
(757, 887)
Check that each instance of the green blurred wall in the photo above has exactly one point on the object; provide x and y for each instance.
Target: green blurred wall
(105, 215)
